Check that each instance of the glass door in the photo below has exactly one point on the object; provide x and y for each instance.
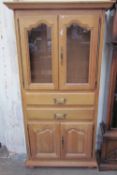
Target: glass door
(78, 38)
(39, 51)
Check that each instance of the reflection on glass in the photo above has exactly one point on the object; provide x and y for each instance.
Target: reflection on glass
(78, 50)
(40, 45)
(114, 113)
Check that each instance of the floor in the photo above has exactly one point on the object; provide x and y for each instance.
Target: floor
(14, 165)
(11, 166)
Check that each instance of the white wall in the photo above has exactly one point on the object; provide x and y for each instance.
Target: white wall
(11, 123)
(11, 118)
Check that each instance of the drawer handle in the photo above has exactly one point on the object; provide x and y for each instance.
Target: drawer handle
(62, 57)
(59, 116)
(59, 101)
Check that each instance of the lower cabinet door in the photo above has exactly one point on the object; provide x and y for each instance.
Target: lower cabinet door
(44, 140)
(76, 140)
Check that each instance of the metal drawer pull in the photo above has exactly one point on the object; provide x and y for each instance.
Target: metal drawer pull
(59, 101)
(59, 116)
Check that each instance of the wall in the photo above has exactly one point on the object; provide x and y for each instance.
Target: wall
(11, 123)
(11, 118)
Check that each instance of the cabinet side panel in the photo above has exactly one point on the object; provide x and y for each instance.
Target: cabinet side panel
(21, 79)
(99, 61)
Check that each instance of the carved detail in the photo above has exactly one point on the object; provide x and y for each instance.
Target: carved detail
(42, 131)
(79, 24)
(43, 136)
(38, 24)
(75, 131)
(78, 145)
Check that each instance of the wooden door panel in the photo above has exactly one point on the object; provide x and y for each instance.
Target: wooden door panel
(76, 140)
(38, 34)
(78, 47)
(44, 140)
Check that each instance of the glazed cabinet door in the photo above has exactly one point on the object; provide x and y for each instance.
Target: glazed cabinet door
(44, 140)
(78, 48)
(76, 140)
(38, 36)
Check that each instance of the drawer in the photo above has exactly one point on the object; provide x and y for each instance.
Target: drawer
(60, 98)
(60, 114)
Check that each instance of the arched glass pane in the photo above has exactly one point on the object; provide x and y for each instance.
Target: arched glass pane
(40, 45)
(78, 50)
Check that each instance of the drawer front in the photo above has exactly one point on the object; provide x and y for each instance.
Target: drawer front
(60, 114)
(60, 99)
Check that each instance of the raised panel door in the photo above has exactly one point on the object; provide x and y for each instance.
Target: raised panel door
(44, 140)
(76, 140)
